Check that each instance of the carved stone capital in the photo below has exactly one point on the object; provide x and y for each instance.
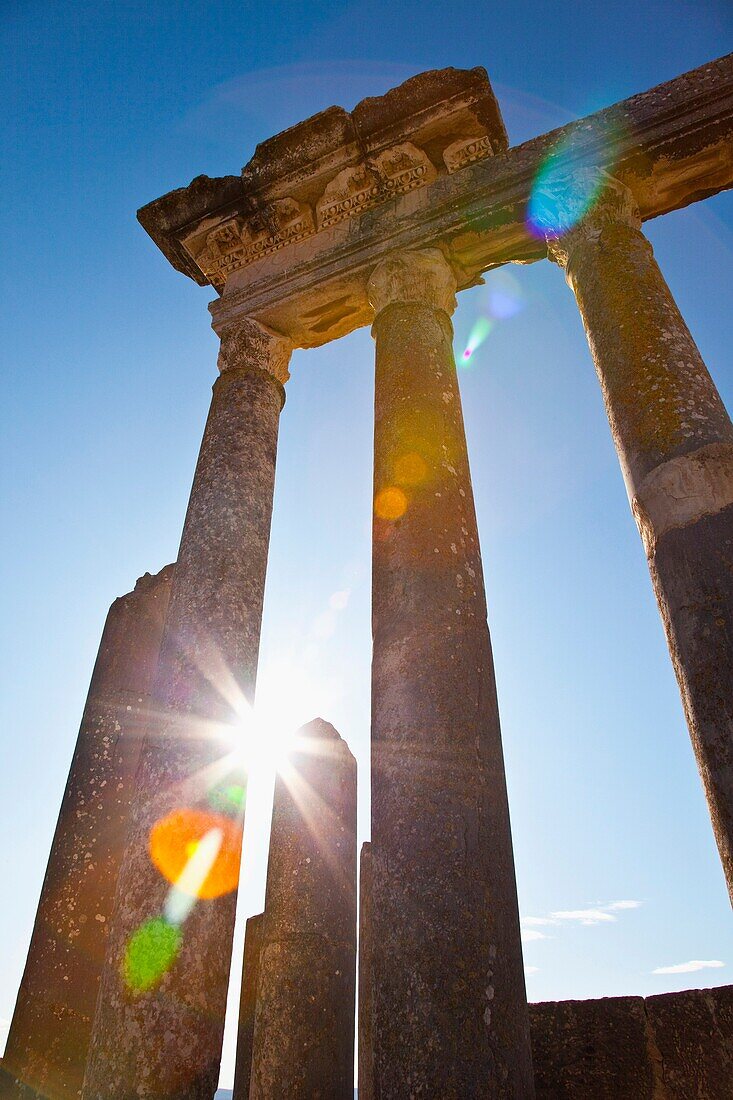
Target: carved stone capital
(247, 344)
(563, 205)
(422, 277)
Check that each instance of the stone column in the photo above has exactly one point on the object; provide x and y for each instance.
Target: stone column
(449, 1008)
(674, 440)
(247, 1006)
(366, 1085)
(304, 1023)
(49, 1034)
(160, 1014)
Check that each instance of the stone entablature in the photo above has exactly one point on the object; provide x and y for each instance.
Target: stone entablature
(338, 164)
(314, 288)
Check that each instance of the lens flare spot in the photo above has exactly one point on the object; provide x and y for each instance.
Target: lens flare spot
(481, 329)
(229, 799)
(410, 469)
(150, 953)
(390, 503)
(503, 297)
(570, 179)
(176, 840)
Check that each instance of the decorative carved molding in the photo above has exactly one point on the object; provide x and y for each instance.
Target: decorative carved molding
(246, 344)
(424, 277)
(236, 242)
(465, 151)
(403, 167)
(563, 206)
(280, 223)
(239, 241)
(352, 190)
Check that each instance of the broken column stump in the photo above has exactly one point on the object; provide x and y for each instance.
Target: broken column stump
(158, 1029)
(366, 1069)
(303, 1045)
(247, 1006)
(49, 1034)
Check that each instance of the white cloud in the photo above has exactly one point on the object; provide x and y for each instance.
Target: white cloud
(585, 916)
(538, 922)
(530, 970)
(529, 934)
(690, 967)
(623, 905)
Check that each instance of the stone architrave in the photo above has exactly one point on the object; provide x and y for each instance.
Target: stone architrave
(303, 1044)
(247, 1006)
(674, 441)
(449, 1005)
(366, 1084)
(46, 1048)
(162, 1039)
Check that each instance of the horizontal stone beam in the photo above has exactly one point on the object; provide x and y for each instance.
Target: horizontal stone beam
(671, 145)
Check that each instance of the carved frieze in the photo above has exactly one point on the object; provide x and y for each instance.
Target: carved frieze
(403, 167)
(465, 151)
(280, 223)
(352, 190)
(236, 242)
(224, 252)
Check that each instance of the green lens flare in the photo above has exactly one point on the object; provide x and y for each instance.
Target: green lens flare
(230, 799)
(150, 953)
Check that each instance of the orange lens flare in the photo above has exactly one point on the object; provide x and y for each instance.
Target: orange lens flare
(175, 838)
(390, 503)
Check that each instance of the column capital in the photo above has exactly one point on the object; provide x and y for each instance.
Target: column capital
(564, 205)
(246, 343)
(420, 277)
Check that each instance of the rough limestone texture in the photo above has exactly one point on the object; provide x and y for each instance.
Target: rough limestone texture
(591, 1049)
(366, 920)
(165, 1041)
(449, 1005)
(49, 1034)
(247, 1006)
(674, 440)
(303, 1046)
(675, 1046)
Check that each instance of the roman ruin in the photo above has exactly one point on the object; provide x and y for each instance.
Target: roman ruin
(380, 216)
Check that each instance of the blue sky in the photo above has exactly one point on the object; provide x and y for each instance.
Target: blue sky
(108, 362)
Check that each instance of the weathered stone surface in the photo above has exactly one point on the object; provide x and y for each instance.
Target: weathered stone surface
(670, 145)
(247, 1006)
(674, 440)
(366, 920)
(303, 1047)
(449, 1007)
(164, 1041)
(591, 1049)
(672, 1047)
(336, 163)
(49, 1033)
(693, 1033)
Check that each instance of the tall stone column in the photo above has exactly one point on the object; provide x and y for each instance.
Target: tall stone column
(160, 1015)
(674, 440)
(303, 1044)
(449, 1004)
(46, 1048)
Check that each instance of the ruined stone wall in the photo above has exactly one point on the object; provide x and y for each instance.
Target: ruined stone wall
(671, 1047)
